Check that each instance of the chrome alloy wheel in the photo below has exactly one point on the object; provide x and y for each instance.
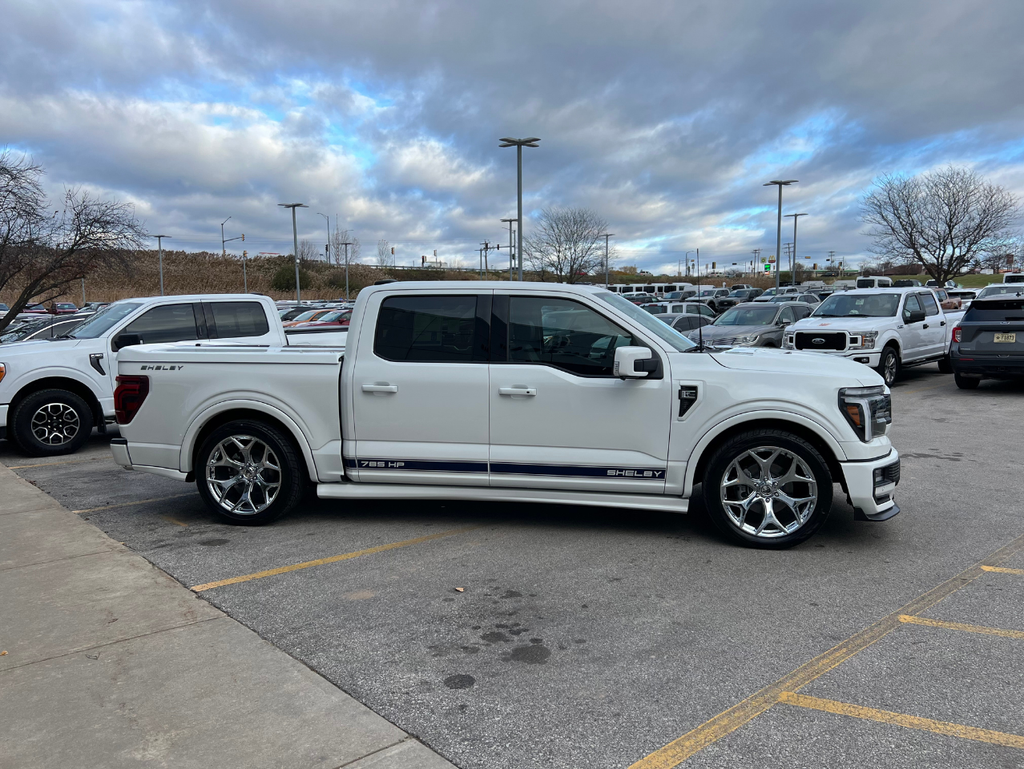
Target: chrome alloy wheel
(889, 364)
(768, 492)
(55, 424)
(243, 475)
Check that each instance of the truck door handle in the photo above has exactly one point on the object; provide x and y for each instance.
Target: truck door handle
(925, 325)
(517, 390)
(943, 323)
(380, 387)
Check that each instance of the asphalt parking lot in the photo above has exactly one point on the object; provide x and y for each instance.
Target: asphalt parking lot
(548, 636)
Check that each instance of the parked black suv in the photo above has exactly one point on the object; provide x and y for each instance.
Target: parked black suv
(988, 343)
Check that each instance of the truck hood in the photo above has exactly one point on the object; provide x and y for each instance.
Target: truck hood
(802, 364)
(843, 324)
(711, 333)
(36, 346)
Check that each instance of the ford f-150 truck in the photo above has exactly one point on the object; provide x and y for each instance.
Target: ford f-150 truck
(885, 328)
(54, 391)
(495, 391)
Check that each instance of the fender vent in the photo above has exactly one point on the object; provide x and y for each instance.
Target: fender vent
(687, 397)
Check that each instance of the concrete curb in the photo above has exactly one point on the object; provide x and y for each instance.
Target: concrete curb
(111, 663)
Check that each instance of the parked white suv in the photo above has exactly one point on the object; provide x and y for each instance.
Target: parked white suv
(489, 391)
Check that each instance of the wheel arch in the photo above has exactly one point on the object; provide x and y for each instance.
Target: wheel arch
(210, 420)
(75, 386)
(823, 441)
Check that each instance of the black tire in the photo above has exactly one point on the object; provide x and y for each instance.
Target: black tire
(945, 365)
(966, 383)
(741, 447)
(889, 366)
(51, 422)
(269, 493)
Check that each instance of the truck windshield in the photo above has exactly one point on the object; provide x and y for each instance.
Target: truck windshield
(859, 305)
(100, 323)
(659, 328)
(748, 316)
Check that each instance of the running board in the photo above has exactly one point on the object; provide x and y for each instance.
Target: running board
(670, 504)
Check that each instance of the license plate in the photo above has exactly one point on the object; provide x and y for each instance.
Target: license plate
(1005, 337)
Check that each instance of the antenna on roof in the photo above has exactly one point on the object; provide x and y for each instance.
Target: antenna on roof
(700, 326)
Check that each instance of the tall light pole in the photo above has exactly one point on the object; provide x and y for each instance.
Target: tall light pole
(519, 144)
(327, 247)
(792, 263)
(778, 227)
(160, 250)
(511, 251)
(346, 244)
(223, 250)
(606, 236)
(295, 241)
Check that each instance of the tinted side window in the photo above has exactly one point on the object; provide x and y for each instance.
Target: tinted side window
(912, 305)
(564, 334)
(170, 323)
(430, 329)
(930, 307)
(236, 319)
(802, 312)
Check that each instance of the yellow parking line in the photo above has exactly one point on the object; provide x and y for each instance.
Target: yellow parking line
(724, 723)
(901, 719)
(1002, 570)
(175, 521)
(57, 464)
(133, 504)
(323, 561)
(926, 622)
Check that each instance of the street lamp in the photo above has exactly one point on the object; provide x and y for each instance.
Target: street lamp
(778, 227)
(511, 253)
(327, 246)
(295, 241)
(606, 236)
(519, 144)
(160, 249)
(792, 262)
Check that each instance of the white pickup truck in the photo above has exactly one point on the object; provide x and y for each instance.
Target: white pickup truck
(884, 328)
(503, 391)
(53, 392)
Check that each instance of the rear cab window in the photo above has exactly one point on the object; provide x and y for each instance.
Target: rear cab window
(236, 319)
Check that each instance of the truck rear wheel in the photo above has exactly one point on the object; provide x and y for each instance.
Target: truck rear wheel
(51, 422)
(249, 472)
(768, 489)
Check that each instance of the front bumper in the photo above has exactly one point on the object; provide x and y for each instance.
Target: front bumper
(872, 358)
(3, 420)
(871, 486)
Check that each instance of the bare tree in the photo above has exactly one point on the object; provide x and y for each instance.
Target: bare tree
(385, 255)
(943, 220)
(338, 237)
(44, 251)
(308, 252)
(569, 244)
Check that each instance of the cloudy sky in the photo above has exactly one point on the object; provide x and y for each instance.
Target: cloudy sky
(664, 116)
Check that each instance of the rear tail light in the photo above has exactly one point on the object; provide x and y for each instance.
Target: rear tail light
(957, 334)
(129, 396)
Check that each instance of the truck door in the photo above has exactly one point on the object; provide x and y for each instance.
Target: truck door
(551, 392)
(419, 390)
(934, 330)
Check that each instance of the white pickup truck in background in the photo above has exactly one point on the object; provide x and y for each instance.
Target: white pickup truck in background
(884, 328)
(54, 391)
(495, 392)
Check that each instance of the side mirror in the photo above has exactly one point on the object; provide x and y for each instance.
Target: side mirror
(914, 316)
(634, 362)
(126, 340)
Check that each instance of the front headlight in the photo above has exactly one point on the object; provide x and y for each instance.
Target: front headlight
(3, 371)
(748, 339)
(867, 409)
(789, 342)
(867, 340)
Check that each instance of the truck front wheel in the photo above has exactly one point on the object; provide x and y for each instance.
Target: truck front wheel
(51, 422)
(768, 489)
(249, 472)
(889, 366)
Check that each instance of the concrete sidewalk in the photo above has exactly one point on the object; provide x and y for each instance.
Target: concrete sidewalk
(108, 662)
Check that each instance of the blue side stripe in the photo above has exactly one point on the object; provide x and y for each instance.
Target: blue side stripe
(508, 468)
